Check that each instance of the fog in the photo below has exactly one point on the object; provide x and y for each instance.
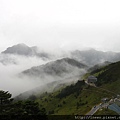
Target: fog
(9, 79)
(15, 82)
(61, 24)
(56, 27)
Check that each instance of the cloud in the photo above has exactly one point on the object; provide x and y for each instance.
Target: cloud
(54, 26)
(9, 74)
(11, 79)
(60, 24)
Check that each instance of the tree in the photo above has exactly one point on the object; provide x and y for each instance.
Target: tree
(32, 97)
(28, 107)
(5, 102)
(5, 97)
(64, 102)
(32, 108)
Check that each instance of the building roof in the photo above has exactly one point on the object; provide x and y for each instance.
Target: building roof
(104, 99)
(91, 77)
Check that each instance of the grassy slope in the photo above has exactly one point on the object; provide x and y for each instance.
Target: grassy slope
(73, 103)
(108, 77)
(84, 98)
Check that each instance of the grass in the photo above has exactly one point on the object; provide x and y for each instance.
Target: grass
(113, 86)
(82, 99)
(84, 77)
(73, 104)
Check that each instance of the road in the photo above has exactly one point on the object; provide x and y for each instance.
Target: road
(93, 110)
(96, 108)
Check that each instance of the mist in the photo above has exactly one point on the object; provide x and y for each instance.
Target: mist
(10, 80)
(12, 66)
(58, 28)
(65, 25)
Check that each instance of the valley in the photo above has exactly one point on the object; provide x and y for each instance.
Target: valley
(61, 83)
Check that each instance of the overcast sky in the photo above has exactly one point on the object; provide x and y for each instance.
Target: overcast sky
(62, 24)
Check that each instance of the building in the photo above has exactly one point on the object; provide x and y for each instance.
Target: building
(92, 79)
(104, 100)
(118, 96)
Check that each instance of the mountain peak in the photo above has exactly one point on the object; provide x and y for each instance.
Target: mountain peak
(21, 44)
(20, 49)
(24, 50)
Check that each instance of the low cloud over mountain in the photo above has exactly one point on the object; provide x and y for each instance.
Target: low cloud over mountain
(57, 70)
(45, 67)
(12, 55)
(92, 57)
(22, 49)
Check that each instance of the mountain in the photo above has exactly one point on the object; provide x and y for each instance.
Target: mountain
(19, 49)
(98, 66)
(79, 98)
(6, 59)
(49, 87)
(108, 75)
(53, 75)
(14, 54)
(22, 49)
(89, 57)
(59, 69)
(92, 57)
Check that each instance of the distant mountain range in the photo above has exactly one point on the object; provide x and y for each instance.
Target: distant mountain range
(62, 70)
(6, 59)
(53, 78)
(80, 98)
(53, 75)
(98, 66)
(74, 98)
(92, 57)
(9, 55)
(59, 69)
(22, 49)
(89, 57)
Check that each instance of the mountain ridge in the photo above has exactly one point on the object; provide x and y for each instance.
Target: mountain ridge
(89, 57)
(23, 49)
(92, 57)
(79, 98)
(58, 68)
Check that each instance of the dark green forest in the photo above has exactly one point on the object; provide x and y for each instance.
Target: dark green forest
(18, 109)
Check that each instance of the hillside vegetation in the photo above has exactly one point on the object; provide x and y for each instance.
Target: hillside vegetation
(108, 77)
(79, 98)
(76, 99)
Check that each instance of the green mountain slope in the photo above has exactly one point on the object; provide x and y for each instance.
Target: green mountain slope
(74, 99)
(108, 77)
(80, 97)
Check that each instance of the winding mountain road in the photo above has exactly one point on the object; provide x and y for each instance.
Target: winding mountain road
(96, 108)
